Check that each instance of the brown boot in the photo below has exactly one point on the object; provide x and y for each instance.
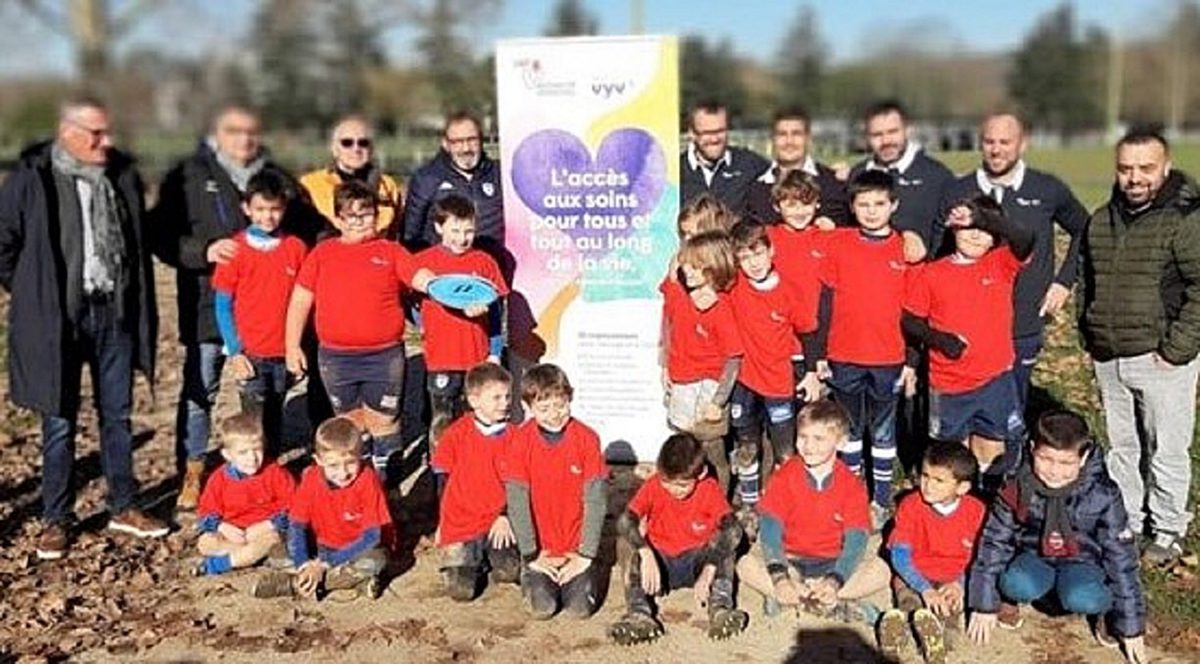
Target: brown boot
(189, 493)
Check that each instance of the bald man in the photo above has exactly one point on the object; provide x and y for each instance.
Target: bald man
(1034, 199)
(73, 257)
(352, 146)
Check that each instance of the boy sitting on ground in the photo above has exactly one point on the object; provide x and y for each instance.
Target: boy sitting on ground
(814, 526)
(679, 522)
(242, 513)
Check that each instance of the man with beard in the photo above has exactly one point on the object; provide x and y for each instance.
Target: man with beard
(790, 136)
(920, 179)
(1140, 323)
(1037, 201)
(710, 164)
(199, 211)
(460, 167)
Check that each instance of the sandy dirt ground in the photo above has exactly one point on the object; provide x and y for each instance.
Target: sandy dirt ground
(117, 599)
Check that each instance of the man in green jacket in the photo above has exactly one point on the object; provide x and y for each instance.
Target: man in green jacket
(1141, 324)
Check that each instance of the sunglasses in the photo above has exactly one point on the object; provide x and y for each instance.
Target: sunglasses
(352, 142)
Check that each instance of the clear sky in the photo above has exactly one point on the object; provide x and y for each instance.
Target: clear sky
(755, 27)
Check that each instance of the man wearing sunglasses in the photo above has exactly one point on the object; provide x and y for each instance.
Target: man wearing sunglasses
(199, 211)
(74, 259)
(352, 145)
(460, 167)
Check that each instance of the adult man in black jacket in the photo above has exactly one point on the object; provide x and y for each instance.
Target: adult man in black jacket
(790, 139)
(73, 256)
(710, 164)
(199, 210)
(1036, 200)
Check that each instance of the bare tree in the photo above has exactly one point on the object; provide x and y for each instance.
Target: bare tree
(92, 27)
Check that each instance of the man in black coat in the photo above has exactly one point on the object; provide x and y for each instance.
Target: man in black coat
(199, 211)
(709, 164)
(791, 135)
(73, 256)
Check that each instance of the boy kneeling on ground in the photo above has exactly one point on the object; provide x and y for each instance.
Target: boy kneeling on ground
(679, 523)
(1060, 525)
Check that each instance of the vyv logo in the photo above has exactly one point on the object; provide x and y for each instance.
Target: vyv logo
(606, 90)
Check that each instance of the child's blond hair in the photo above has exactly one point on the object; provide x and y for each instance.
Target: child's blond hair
(708, 213)
(340, 435)
(240, 428)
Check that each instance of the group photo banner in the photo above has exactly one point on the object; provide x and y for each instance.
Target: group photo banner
(589, 146)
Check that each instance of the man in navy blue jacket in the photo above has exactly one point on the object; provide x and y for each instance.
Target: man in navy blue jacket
(1037, 201)
(461, 167)
(921, 180)
(791, 139)
(1060, 526)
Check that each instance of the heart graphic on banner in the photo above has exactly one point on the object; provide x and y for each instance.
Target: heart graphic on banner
(555, 175)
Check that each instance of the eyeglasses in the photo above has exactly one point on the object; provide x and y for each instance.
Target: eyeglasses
(463, 142)
(95, 133)
(364, 143)
(361, 217)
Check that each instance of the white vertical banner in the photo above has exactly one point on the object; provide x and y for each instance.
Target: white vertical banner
(589, 145)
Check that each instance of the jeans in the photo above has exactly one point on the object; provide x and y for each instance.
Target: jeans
(1027, 349)
(265, 392)
(1080, 586)
(108, 349)
(202, 364)
(1149, 410)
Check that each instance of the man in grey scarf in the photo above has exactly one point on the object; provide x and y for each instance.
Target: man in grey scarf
(72, 256)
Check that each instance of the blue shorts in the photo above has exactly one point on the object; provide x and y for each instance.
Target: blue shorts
(374, 379)
(992, 410)
(683, 569)
(813, 568)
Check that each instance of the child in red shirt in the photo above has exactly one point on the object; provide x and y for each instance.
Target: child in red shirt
(702, 345)
(770, 315)
(815, 525)
(356, 282)
(251, 299)
(242, 513)
(863, 274)
(961, 308)
(679, 522)
(339, 506)
(474, 534)
(931, 547)
(456, 340)
(556, 485)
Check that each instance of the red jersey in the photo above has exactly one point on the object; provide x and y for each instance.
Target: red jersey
(974, 301)
(674, 526)
(339, 516)
(245, 501)
(698, 342)
(454, 342)
(769, 322)
(260, 282)
(941, 545)
(474, 494)
(867, 276)
(357, 289)
(556, 474)
(798, 256)
(814, 521)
